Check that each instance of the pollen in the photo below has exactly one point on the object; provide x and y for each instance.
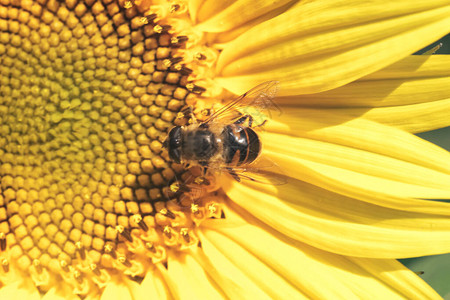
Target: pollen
(88, 91)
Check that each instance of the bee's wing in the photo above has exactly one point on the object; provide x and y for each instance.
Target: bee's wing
(263, 170)
(260, 97)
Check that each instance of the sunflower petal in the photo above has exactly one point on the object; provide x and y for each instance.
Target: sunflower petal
(154, 287)
(382, 93)
(412, 94)
(382, 198)
(191, 281)
(270, 281)
(193, 7)
(414, 118)
(397, 275)
(359, 168)
(321, 45)
(360, 153)
(320, 125)
(226, 15)
(414, 80)
(226, 37)
(231, 278)
(414, 66)
(124, 289)
(301, 265)
(54, 294)
(19, 291)
(340, 224)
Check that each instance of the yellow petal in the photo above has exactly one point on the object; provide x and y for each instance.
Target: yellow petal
(190, 280)
(193, 6)
(366, 135)
(382, 93)
(19, 291)
(232, 278)
(273, 283)
(208, 8)
(226, 37)
(414, 66)
(412, 94)
(380, 192)
(413, 118)
(368, 147)
(414, 88)
(398, 276)
(154, 286)
(122, 289)
(340, 224)
(313, 48)
(361, 135)
(363, 169)
(54, 294)
(306, 268)
(239, 12)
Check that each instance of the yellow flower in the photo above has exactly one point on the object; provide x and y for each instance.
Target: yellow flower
(91, 206)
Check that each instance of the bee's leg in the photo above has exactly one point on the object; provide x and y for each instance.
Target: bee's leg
(233, 174)
(202, 180)
(175, 187)
(250, 119)
(264, 122)
(188, 113)
(204, 171)
(244, 118)
(204, 167)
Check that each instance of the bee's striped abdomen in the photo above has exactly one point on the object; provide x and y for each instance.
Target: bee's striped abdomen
(241, 145)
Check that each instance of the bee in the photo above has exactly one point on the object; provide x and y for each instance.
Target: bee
(227, 139)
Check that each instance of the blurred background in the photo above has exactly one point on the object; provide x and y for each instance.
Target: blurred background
(436, 268)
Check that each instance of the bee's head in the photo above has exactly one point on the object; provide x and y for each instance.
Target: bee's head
(173, 144)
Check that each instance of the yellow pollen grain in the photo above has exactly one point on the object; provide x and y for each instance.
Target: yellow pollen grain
(167, 230)
(212, 209)
(194, 208)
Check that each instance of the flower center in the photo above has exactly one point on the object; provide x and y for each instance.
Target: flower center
(88, 92)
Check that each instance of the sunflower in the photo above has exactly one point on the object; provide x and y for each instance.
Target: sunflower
(92, 207)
